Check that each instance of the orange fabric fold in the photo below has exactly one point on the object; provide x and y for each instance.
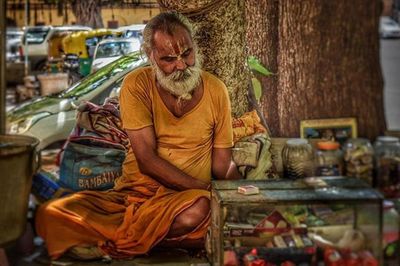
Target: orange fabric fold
(122, 223)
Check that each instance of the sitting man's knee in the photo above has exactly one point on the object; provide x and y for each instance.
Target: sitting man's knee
(194, 215)
(203, 205)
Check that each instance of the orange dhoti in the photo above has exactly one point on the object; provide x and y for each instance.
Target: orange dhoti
(124, 222)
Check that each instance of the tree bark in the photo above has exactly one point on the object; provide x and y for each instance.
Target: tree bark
(326, 56)
(262, 42)
(88, 13)
(221, 39)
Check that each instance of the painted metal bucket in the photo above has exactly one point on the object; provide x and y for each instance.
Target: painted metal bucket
(19, 160)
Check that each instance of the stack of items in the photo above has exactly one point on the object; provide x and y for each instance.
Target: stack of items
(252, 150)
(274, 240)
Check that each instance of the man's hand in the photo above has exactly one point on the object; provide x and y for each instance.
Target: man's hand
(222, 165)
(144, 147)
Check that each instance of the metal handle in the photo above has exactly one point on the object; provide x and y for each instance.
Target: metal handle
(37, 161)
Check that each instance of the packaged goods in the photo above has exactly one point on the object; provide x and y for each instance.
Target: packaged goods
(238, 229)
(249, 258)
(298, 241)
(248, 190)
(230, 258)
(307, 241)
(351, 259)
(279, 242)
(332, 257)
(289, 241)
(275, 220)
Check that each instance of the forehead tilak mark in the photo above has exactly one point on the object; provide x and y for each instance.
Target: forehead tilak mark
(182, 47)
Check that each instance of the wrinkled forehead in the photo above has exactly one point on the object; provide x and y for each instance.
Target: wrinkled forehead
(175, 44)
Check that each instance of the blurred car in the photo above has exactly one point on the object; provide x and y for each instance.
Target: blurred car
(52, 118)
(132, 31)
(13, 41)
(110, 50)
(35, 42)
(388, 28)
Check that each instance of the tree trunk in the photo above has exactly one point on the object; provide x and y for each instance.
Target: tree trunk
(221, 38)
(326, 56)
(88, 13)
(262, 42)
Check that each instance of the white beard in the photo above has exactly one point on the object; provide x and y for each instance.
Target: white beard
(180, 83)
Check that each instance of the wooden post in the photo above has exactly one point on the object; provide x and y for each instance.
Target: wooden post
(2, 66)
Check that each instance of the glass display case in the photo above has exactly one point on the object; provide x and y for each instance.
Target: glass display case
(302, 222)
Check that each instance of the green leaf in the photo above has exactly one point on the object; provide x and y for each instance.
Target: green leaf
(257, 88)
(255, 65)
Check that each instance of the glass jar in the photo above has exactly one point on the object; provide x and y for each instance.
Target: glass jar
(297, 159)
(387, 158)
(328, 159)
(359, 159)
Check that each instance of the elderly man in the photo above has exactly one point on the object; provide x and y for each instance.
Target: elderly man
(178, 121)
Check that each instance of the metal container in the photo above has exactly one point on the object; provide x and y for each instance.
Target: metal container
(18, 163)
(327, 206)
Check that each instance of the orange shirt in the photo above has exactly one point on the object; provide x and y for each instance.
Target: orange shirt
(187, 141)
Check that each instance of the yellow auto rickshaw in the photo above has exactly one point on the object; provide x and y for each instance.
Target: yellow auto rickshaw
(55, 51)
(83, 44)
